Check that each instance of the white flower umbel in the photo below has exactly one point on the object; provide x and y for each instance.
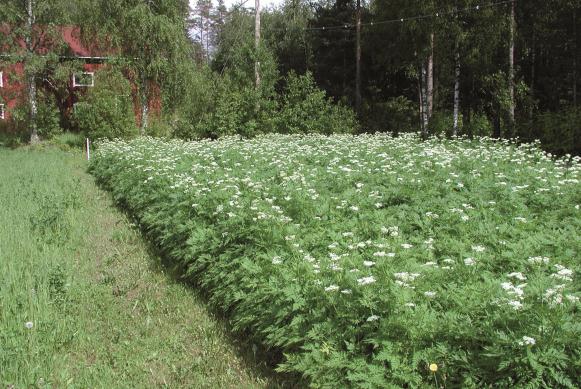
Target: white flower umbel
(538, 260)
(518, 275)
(527, 341)
(478, 248)
(469, 262)
(331, 288)
(366, 280)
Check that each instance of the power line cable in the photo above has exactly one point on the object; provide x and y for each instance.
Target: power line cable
(418, 17)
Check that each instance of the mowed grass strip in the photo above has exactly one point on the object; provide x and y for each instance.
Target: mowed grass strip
(83, 302)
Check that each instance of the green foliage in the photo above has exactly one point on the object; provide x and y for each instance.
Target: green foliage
(235, 107)
(306, 109)
(559, 132)
(48, 119)
(69, 140)
(364, 259)
(106, 110)
(479, 125)
(243, 111)
(442, 124)
(395, 115)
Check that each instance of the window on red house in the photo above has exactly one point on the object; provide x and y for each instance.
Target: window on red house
(84, 79)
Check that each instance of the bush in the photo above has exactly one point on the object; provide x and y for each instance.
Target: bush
(48, 118)
(244, 112)
(559, 132)
(395, 115)
(479, 125)
(306, 109)
(106, 110)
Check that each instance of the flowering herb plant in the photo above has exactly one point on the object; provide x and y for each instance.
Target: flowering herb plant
(368, 260)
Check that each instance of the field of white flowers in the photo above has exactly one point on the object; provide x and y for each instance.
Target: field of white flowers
(372, 261)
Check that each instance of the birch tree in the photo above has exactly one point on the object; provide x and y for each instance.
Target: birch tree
(153, 39)
(511, 75)
(33, 23)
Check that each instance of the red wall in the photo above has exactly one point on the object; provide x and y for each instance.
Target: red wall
(14, 91)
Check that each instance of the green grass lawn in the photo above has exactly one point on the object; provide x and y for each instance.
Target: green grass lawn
(101, 309)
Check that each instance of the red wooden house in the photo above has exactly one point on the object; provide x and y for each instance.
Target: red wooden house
(12, 83)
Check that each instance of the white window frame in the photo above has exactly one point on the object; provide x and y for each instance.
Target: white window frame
(1, 79)
(92, 84)
(2, 112)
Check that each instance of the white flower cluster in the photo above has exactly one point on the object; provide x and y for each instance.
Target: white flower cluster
(527, 341)
(515, 292)
(390, 231)
(554, 296)
(404, 279)
(538, 260)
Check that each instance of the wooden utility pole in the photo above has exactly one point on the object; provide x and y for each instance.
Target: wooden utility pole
(257, 41)
(358, 59)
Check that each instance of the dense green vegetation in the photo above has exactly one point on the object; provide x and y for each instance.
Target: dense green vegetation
(501, 68)
(372, 261)
(84, 303)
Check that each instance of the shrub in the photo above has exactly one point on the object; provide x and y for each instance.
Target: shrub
(48, 119)
(395, 115)
(237, 111)
(106, 110)
(559, 132)
(306, 109)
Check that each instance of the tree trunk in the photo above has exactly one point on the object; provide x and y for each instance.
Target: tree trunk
(575, 55)
(144, 106)
(257, 41)
(31, 79)
(358, 61)
(467, 110)
(533, 75)
(496, 132)
(430, 80)
(424, 103)
(456, 93)
(344, 73)
(421, 105)
(202, 33)
(467, 121)
(511, 108)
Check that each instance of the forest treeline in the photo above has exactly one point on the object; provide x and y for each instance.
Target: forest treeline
(451, 67)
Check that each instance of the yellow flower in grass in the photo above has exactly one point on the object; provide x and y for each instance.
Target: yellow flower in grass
(433, 367)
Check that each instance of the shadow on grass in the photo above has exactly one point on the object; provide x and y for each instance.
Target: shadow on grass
(255, 357)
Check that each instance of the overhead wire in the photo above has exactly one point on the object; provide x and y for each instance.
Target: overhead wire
(347, 26)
